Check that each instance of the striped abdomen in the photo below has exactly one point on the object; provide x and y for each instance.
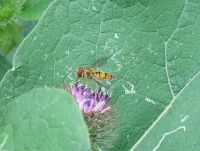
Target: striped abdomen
(102, 75)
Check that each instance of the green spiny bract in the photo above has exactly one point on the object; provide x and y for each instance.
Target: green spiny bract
(102, 129)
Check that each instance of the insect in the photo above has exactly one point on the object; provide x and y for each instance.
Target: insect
(97, 76)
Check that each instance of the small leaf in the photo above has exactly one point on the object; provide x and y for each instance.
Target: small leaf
(43, 119)
(33, 9)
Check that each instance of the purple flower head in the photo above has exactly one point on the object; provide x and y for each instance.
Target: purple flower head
(90, 102)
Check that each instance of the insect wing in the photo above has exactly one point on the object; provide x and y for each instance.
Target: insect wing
(100, 82)
(100, 62)
(90, 70)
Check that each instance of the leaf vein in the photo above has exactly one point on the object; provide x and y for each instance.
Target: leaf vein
(166, 43)
(163, 113)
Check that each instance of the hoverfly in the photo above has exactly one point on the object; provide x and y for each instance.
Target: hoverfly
(97, 76)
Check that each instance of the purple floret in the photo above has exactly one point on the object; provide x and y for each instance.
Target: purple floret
(90, 102)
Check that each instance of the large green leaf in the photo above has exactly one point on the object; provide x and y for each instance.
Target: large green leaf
(43, 119)
(152, 46)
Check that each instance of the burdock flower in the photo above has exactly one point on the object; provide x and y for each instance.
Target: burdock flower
(98, 115)
(90, 102)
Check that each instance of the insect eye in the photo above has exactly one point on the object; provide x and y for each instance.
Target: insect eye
(80, 72)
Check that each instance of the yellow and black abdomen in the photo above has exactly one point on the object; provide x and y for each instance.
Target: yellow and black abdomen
(103, 75)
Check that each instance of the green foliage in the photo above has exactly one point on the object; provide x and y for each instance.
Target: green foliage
(10, 24)
(10, 28)
(10, 36)
(43, 119)
(153, 50)
(33, 9)
(7, 12)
